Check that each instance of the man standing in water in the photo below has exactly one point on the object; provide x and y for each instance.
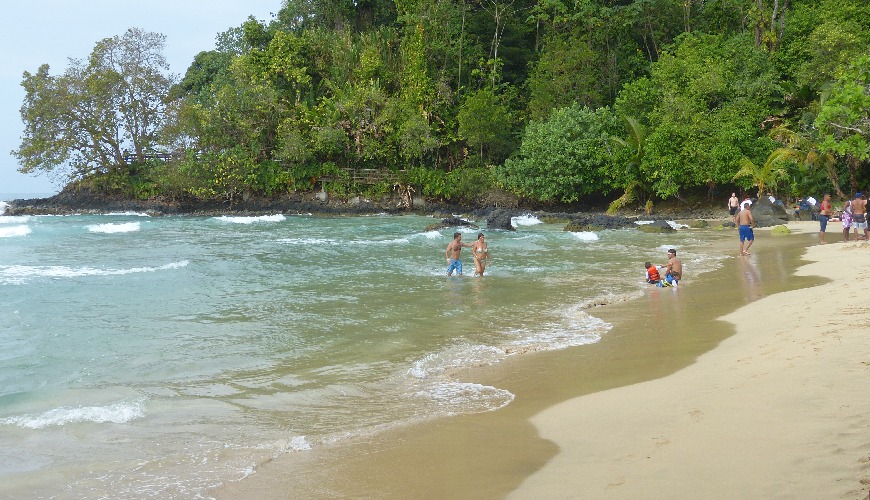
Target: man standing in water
(480, 253)
(746, 222)
(454, 248)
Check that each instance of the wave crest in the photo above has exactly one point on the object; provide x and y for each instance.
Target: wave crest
(117, 413)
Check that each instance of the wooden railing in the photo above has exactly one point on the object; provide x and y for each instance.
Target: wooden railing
(364, 176)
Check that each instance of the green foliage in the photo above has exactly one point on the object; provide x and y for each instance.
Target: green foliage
(97, 113)
(467, 184)
(426, 181)
(563, 158)
(702, 107)
(465, 95)
(769, 174)
(845, 115)
(485, 123)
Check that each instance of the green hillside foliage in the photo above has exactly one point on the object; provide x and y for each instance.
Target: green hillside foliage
(552, 101)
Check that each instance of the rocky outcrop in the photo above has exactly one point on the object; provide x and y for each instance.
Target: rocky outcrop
(500, 219)
(597, 222)
(768, 214)
(658, 226)
(450, 222)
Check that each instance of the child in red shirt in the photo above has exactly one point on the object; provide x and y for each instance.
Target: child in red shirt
(652, 274)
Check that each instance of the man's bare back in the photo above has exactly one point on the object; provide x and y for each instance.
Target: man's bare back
(744, 217)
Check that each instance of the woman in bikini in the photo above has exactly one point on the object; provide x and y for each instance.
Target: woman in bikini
(480, 253)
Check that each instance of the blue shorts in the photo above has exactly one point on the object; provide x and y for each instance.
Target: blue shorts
(823, 223)
(454, 264)
(746, 234)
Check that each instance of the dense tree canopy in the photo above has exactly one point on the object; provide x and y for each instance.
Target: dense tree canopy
(553, 101)
(98, 112)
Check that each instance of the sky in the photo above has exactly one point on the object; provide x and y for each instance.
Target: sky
(36, 32)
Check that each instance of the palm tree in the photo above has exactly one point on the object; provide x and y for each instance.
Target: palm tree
(806, 151)
(771, 172)
(636, 141)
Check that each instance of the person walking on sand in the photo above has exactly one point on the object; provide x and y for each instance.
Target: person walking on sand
(733, 205)
(480, 253)
(826, 210)
(673, 269)
(859, 216)
(746, 222)
(454, 249)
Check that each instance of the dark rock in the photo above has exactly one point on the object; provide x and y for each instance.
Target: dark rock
(500, 219)
(597, 222)
(658, 226)
(767, 214)
(451, 222)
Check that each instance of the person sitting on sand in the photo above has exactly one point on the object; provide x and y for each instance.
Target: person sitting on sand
(746, 223)
(652, 274)
(674, 268)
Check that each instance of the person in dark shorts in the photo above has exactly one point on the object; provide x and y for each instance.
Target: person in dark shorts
(733, 205)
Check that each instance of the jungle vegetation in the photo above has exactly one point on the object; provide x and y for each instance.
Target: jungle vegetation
(625, 101)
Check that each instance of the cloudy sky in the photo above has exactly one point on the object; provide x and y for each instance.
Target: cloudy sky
(36, 32)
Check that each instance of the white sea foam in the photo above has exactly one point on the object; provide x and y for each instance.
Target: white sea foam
(586, 236)
(16, 275)
(12, 231)
(455, 357)
(3, 206)
(453, 398)
(252, 219)
(673, 224)
(432, 235)
(129, 214)
(575, 327)
(299, 443)
(308, 241)
(125, 227)
(525, 220)
(117, 413)
(15, 219)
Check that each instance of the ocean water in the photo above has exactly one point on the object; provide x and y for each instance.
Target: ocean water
(161, 356)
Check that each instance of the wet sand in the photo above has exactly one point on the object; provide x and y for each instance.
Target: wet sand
(536, 447)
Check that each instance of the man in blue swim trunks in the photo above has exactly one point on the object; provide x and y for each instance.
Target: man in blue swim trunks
(454, 249)
(746, 223)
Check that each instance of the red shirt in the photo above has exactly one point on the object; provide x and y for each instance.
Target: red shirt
(652, 274)
(825, 207)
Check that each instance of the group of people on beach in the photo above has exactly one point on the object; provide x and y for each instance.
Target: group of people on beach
(479, 251)
(854, 216)
(673, 271)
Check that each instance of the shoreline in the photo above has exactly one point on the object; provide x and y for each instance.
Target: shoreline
(489, 455)
(69, 202)
(778, 410)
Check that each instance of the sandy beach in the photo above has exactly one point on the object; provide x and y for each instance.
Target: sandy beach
(778, 410)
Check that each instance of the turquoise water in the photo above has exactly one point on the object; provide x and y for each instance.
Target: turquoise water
(160, 356)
